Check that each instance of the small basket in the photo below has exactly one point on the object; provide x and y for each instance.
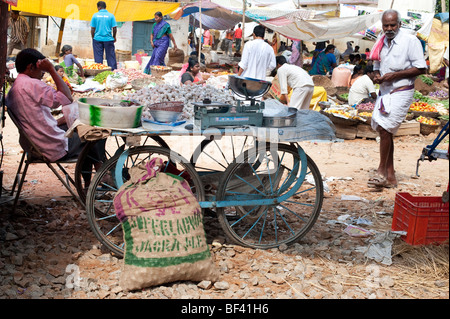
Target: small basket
(158, 72)
(340, 98)
(138, 84)
(427, 129)
(341, 121)
(90, 72)
(409, 117)
(426, 114)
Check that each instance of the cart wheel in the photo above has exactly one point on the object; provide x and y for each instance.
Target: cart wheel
(281, 206)
(99, 202)
(88, 162)
(215, 154)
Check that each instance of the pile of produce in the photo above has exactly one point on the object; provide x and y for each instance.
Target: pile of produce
(185, 93)
(342, 114)
(440, 107)
(369, 106)
(133, 74)
(427, 120)
(365, 114)
(344, 96)
(122, 103)
(440, 94)
(425, 79)
(101, 77)
(95, 66)
(422, 107)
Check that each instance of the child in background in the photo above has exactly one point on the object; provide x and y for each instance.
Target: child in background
(68, 64)
(60, 70)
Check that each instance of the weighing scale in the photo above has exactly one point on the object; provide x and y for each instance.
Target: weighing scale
(248, 112)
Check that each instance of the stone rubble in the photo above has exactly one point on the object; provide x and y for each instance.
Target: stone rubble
(52, 254)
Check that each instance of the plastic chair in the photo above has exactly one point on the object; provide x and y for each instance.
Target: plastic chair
(35, 156)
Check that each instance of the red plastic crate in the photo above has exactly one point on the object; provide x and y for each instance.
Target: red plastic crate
(425, 219)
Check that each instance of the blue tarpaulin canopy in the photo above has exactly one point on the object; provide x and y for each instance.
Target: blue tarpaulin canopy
(442, 16)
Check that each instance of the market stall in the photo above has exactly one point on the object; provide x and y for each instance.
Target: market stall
(260, 176)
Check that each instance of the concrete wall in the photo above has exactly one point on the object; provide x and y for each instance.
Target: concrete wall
(78, 34)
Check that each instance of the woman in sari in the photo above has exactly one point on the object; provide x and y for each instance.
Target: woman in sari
(325, 62)
(160, 40)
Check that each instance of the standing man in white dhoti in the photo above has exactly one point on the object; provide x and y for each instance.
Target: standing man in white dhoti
(258, 57)
(401, 61)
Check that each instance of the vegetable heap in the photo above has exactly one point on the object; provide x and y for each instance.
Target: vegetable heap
(96, 66)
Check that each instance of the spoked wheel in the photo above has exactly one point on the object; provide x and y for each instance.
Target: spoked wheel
(269, 204)
(215, 154)
(90, 161)
(99, 203)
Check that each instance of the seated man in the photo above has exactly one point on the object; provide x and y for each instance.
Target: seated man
(363, 87)
(31, 101)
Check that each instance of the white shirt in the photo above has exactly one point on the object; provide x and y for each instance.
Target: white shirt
(361, 89)
(257, 58)
(293, 76)
(404, 53)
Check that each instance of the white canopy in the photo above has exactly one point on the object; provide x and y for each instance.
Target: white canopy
(295, 27)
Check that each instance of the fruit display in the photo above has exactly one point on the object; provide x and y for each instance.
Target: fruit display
(95, 66)
(185, 93)
(341, 113)
(422, 107)
(365, 114)
(427, 120)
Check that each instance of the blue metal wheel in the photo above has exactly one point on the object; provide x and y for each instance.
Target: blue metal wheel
(100, 210)
(275, 202)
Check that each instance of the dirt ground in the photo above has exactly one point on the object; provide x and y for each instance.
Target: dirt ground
(49, 238)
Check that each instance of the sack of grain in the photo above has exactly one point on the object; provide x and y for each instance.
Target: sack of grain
(163, 230)
(176, 56)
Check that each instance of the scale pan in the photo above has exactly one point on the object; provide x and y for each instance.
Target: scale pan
(248, 87)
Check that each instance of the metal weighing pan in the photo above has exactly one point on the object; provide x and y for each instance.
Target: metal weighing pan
(284, 121)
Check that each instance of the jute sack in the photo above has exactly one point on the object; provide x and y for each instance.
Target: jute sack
(176, 56)
(163, 230)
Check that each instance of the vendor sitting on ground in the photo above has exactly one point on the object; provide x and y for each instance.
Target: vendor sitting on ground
(192, 74)
(31, 100)
(300, 82)
(363, 87)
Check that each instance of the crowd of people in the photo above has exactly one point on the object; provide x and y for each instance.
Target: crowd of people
(399, 61)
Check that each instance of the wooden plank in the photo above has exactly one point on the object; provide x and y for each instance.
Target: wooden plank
(366, 131)
(409, 128)
(346, 132)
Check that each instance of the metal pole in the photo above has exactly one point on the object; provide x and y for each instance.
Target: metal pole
(201, 34)
(244, 9)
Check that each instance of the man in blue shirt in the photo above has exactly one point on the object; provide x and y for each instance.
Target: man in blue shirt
(103, 32)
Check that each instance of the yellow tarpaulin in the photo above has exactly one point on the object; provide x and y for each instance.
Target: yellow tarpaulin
(437, 43)
(319, 95)
(123, 10)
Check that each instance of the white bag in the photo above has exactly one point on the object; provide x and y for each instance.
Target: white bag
(116, 80)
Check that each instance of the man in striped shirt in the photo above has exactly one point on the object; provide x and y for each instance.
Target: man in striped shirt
(19, 32)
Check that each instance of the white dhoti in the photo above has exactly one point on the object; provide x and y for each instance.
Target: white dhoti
(391, 109)
(301, 97)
